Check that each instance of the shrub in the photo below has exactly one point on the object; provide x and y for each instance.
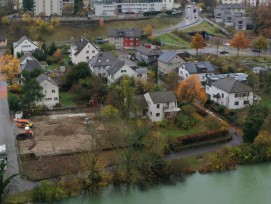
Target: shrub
(142, 64)
(109, 112)
(48, 192)
(15, 88)
(162, 123)
(184, 121)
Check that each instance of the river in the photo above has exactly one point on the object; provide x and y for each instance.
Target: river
(249, 184)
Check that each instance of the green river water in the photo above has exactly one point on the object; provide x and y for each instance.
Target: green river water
(249, 184)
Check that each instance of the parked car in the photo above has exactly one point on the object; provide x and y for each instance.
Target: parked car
(256, 50)
(224, 52)
(24, 136)
(188, 6)
(3, 154)
(101, 40)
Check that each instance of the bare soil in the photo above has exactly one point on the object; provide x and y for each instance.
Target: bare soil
(58, 143)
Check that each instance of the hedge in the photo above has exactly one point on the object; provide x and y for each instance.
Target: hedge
(182, 141)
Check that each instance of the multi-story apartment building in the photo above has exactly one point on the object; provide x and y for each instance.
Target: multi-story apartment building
(118, 7)
(232, 15)
(251, 2)
(51, 7)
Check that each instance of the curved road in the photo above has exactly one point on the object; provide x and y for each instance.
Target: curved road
(191, 19)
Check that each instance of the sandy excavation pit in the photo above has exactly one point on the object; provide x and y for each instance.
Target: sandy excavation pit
(58, 134)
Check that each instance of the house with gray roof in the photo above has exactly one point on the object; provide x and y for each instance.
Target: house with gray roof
(230, 92)
(101, 62)
(50, 91)
(82, 51)
(119, 69)
(24, 45)
(201, 69)
(31, 65)
(125, 38)
(147, 55)
(158, 105)
(169, 61)
(3, 42)
(26, 57)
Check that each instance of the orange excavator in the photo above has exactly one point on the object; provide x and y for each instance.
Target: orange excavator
(21, 123)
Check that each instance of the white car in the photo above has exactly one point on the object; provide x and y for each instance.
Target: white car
(188, 6)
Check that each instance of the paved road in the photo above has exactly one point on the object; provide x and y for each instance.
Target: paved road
(232, 51)
(7, 136)
(191, 19)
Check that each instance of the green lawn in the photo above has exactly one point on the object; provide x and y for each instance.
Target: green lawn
(175, 40)
(205, 26)
(176, 132)
(265, 100)
(53, 66)
(66, 99)
(63, 35)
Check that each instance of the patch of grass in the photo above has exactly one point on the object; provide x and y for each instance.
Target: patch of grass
(66, 99)
(20, 198)
(92, 33)
(177, 132)
(175, 40)
(53, 66)
(265, 99)
(205, 26)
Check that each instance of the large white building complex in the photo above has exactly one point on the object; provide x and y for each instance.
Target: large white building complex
(251, 2)
(118, 7)
(51, 7)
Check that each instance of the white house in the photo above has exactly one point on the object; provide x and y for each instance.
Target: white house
(142, 74)
(82, 51)
(119, 69)
(101, 62)
(24, 45)
(169, 61)
(50, 91)
(158, 105)
(26, 57)
(201, 69)
(230, 92)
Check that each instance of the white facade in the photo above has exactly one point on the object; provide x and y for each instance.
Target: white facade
(24, 45)
(118, 7)
(99, 71)
(184, 74)
(125, 70)
(47, 7)
(230, 100)
(167, 67)
(251, 2)
(159, 111)
(51, 94)
(83, 55)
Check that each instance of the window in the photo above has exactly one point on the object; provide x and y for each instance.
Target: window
(236, 103)
(222, 95)
(55, 98)
(123, 71)
(87, 52)
(87, 58)
(158, 106)
(246, 102)
(93, 51)
(53, 91)
(157, 114)
(151, 113)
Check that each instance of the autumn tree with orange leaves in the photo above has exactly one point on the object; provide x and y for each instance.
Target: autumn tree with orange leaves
(190, 90)
(10, 66)
(198, 42)
(240, 42)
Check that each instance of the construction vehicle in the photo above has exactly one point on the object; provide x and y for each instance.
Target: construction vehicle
(21, 123)
(27, 134)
